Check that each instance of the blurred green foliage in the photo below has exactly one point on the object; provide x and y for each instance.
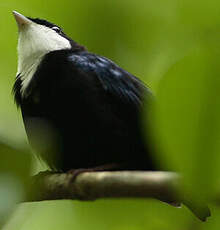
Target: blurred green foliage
(195, 118)
(14, 177)
(171, 45)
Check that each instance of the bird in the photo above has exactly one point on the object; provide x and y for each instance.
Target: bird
(80, 110)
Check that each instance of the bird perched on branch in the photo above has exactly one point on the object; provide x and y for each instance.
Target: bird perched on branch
(80, 110)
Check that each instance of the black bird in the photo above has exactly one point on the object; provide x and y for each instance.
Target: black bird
(80, 110)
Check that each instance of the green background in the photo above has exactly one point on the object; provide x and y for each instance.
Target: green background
(173, 46)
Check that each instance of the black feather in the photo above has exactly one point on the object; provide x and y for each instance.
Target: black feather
(90, 108)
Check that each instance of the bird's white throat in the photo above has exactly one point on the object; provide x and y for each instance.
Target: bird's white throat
(34, 42)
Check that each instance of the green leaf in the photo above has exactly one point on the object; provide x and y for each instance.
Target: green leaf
(187, 124)
(14, 174)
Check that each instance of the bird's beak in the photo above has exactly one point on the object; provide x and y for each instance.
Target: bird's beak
(21, 20)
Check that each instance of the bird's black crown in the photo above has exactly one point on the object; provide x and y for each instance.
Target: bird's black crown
(75, 46)
(43, 22)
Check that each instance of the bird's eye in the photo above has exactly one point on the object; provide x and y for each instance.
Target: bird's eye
(56, 29)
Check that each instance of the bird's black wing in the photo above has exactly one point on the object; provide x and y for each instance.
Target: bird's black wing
(95, 106)
(117, 83)
(94, 85)
(87, 70)
(116, 97)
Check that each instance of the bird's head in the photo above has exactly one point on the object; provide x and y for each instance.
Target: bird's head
(38, 37)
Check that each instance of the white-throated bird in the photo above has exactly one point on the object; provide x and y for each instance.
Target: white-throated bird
(80, 110)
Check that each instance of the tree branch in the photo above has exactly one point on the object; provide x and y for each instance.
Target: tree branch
(163, 186)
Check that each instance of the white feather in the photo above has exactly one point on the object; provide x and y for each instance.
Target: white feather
(34, 42)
